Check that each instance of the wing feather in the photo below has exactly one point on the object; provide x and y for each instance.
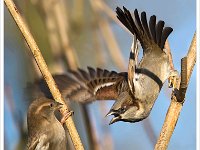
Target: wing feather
(152, 36)
(85, 86)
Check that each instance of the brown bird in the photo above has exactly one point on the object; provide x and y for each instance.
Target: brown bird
(45, 132)
(135, 91)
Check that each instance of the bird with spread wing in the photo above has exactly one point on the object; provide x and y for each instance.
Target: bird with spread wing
(135, 91)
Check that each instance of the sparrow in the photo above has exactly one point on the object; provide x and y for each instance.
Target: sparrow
(45, 132)
(136, 90)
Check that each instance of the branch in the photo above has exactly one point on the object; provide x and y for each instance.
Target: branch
(177, 98)
(72, 61)
(44, 70)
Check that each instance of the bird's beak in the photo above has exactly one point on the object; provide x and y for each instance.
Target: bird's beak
(116, 114)
(58, 105)
(115, 119)
(111, 112)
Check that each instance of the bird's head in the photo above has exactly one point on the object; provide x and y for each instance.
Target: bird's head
(43, 107)
(126, 109)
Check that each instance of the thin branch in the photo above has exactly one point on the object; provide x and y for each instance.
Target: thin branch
(54, 13)
(71, 59)
(191, 57)
(176, 99)
(184, 82)
(44, 70)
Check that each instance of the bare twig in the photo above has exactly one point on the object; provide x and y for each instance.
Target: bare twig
(54, 13)
(176, 99)
(44, 70)
(191, 57)
(184, 82)
(71, 59)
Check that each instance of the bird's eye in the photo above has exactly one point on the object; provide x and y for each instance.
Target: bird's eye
(123, 109)
(51, 105)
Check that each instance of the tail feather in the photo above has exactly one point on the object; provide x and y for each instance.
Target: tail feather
(152, 25)
(166, 32)
(154, 33)
(144, 22)
(138, 22)
(122, 18)
(159, 28)
(127, 20)
(131, 23)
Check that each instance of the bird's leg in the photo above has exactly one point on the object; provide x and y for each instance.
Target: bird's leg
(172, 80)
(66, 114)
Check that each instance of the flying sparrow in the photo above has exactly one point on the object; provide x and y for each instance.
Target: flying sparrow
(135, 91)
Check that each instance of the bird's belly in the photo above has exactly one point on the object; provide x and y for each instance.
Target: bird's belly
(146, 89)
(59, 142)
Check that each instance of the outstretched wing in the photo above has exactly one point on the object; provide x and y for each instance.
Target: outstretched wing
(86, 86)
(149, 36)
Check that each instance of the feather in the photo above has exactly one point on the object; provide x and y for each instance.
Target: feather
(166, 32)
(159, 28)
(152, 24)
(144, 23)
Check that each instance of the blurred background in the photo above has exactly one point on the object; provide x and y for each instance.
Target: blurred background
(83, 33)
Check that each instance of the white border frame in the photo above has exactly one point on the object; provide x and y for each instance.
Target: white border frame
(2, 74)
(197, 77)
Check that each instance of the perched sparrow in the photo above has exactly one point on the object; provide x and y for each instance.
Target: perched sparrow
(45, 132)
(135, 91)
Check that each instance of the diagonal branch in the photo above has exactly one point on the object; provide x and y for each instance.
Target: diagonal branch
(177, 98)
(44, 70)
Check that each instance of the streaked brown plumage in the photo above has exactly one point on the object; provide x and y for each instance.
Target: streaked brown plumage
(135, 91)
(45, 132)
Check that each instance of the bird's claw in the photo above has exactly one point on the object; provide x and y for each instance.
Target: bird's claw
(66, 115)
(172, 79)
